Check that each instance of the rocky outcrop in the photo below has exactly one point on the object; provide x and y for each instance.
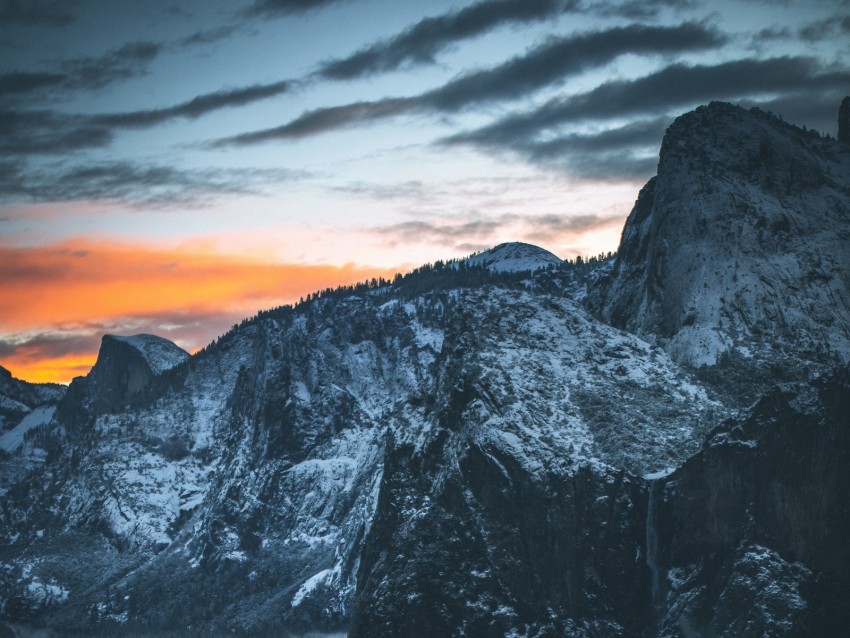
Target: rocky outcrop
(752, 530)
(488, 548)
(125, 367)
(739, 245)
(514, 257)
(844, 121)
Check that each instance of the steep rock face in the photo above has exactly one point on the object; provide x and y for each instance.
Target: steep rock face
(844, 121)
(466, 541)
(126, 365)
(752, 530)
(745, 538)
(739, 244)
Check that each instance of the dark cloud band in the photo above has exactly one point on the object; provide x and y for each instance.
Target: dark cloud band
(672, 88)
(421, 42)
(196, 107)
(36, 13)
(133, 183)
(276, 8)
(548, 64)
(616, 152)
(89, 73)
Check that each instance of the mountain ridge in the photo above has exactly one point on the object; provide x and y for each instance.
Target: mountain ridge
(470, 449)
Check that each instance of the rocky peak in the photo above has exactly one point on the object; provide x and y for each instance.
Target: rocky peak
(126, 365)
(738, 244)
(844, 121)
(514, 257)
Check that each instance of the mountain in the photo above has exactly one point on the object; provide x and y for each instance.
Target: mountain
(25, 409)
(510, 444)
(18, 398)
(739, 246)
(514, 257)
(125, 367)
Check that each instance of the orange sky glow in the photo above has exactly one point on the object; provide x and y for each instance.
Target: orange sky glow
(53, 294)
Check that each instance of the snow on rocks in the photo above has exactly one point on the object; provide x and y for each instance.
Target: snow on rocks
(514, 257)
(14, 438)
(160, 354)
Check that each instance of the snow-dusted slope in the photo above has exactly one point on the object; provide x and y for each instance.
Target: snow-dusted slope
(160, 354)
(17, 398)
(265, 453)
(740, 243)
(514, 257)
(13, 439)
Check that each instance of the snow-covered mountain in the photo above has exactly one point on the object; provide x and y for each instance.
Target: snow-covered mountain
(740, 245)
(471, 450)
(125, 367)
(514, 257)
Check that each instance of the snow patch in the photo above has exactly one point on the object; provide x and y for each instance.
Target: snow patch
(160, 354)
(14, 438)
(310, 584)
(514, 257)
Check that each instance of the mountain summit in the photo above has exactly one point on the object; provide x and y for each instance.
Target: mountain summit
(125, 366)
(739, 245)
(514, 257)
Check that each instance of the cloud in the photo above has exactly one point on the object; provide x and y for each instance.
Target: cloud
(138, 184)
(561, 58)
(323, 120)
(823, 29)
(35, 13)
(420, 43)
(24, 81)
(194, 108)
(475, 231)
(673, 88)
(543, 66)
(772, 33)
(628, 152)
(88, 73)
(59, 299)
(637, 9)
(48, 132)
(209, 36)
(277, 8)
(123, 63)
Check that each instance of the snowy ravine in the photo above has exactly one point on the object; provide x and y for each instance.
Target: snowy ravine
(472, 449)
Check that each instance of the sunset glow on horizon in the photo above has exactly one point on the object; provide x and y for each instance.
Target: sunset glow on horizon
(59, 300)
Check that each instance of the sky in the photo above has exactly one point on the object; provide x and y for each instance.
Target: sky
(171, 167)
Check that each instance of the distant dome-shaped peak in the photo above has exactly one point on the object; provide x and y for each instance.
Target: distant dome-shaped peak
(159, 353)
(514, 257)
